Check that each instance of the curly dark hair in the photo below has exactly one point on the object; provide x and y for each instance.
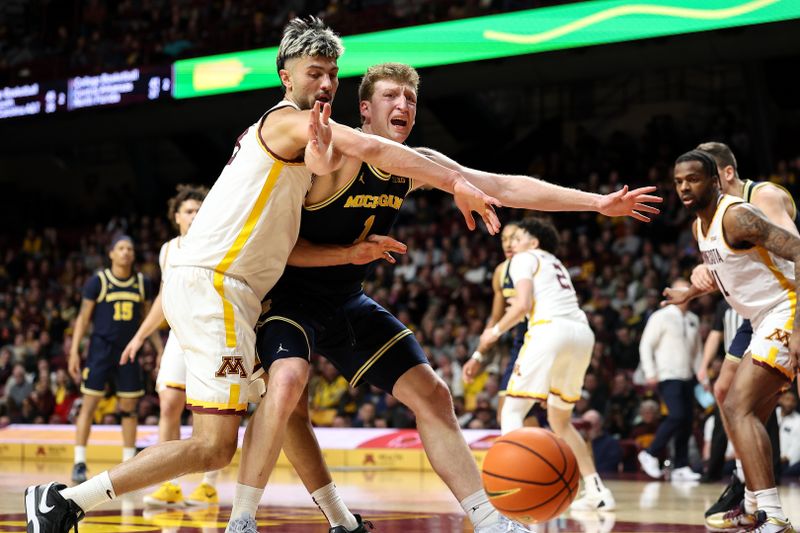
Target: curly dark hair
(185, 192)
(543, 230)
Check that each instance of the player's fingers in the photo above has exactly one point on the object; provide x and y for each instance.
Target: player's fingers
(649, 198)
(492, 221)
(646, 208)
(640, 217)
(645, 190)
(326, 113)
(389, 258)
(470, 220)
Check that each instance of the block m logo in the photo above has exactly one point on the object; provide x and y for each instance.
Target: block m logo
(780, 336)
(231, 364)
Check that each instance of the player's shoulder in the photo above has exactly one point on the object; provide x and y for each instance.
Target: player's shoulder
(767, 193)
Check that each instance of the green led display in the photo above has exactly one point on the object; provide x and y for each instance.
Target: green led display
(521, 32)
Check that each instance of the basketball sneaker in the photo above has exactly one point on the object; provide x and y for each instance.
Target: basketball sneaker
(47, 511)
(685, 474)
(650, 465)
(204, 494)
(735, 519)
(243, 524)
(504, 525)
(167, 495)
(730, 498)
(770, 524)
(602, 501)
(79, 473)
(363, 527)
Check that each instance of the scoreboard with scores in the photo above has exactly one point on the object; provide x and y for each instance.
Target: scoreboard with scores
(114, 88)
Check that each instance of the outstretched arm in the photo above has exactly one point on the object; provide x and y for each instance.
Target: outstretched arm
(744, 224)
(374, 247)
(326, 135)
(531, 193)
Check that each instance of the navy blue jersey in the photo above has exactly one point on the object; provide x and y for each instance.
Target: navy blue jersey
(119, 305)
(750, 187)
(367, 205)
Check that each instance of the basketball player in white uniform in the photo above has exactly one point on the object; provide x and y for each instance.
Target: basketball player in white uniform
(171, 380)
(234, 252)
(754, 263)
(557, 350)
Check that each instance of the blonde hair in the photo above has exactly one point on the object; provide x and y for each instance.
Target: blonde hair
(398, 72)
(308, 37)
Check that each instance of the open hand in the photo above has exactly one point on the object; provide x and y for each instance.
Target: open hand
(376, 247)
(469, 198)
(130, 351)
(627, 203)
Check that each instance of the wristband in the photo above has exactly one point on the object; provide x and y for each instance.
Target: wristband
(477, 356)
(496, 331)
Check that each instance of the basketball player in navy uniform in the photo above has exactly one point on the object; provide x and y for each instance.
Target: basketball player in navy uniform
(779, 207)
(325, 310)
(114, 300)
(503, 287)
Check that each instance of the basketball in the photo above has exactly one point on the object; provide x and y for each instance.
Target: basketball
(530, 475)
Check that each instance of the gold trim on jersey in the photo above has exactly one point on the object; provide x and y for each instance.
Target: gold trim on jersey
(335, 196)
(751, 187)
(733, 358)
(173, 385)
(140, 277)
(377, 355)
(232, 405)
(784, 283)
(295, 324)
(700, 233)
(236, 248)
(136, 394)
(380, 174)
(769, 361)
(103, 286)
(92, 392)
(725, 239)
(560, 394)
(525, 395)
(119, 283)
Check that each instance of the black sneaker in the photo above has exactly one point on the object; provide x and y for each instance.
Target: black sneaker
(79, 473)
(47, 511)
(730, 498)
(363, 526)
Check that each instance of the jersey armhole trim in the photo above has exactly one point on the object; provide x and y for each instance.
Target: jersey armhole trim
(335, 196)
(103, 286)
(299, 162)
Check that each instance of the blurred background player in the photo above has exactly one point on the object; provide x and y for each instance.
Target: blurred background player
(171, 381)
(670, 350)
(114, 300)
(556, 353)
(503, 289)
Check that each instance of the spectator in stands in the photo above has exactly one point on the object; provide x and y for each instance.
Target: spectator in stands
(18, 388)
(606, 449)
(644, 429)
(327, 391)
(789, 422)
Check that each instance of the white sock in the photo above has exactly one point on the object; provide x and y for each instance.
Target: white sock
(210, 478)
(739, 470)
(593, 484)
(128, 453)
(769, 502)
(330, 503)
(479, 510)
(92, 492)
(246, 500)
(750, 504)
(80, 454)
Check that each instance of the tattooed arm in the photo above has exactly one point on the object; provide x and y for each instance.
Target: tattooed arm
(746, 225)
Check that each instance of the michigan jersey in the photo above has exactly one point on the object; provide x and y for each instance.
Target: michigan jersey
(750, 187)
(119, 303)
(553, 294)
(507, 284)
(368, 204)
(752, 280)
(251, 216)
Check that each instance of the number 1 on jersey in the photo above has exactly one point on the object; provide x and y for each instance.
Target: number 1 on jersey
(367, 226)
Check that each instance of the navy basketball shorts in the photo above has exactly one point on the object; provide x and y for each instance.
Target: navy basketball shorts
(740, 342)
(102, 367)
(519, 339)
(363, 340)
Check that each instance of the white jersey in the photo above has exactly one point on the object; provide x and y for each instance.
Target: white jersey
(752, 280)
(250, 218)
(163, 255)
(553, 293)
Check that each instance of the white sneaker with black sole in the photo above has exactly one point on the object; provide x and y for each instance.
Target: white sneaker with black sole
(603, 501)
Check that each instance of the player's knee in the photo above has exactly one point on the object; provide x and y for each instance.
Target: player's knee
(720, 391)
(213, 453)
(171, 409)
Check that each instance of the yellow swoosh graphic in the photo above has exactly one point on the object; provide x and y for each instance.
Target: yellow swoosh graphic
(501, 493)
(632, 9)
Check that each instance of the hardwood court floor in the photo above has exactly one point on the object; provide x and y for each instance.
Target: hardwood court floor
(395, 502)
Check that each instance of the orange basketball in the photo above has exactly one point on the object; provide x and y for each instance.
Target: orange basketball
(530, 475)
